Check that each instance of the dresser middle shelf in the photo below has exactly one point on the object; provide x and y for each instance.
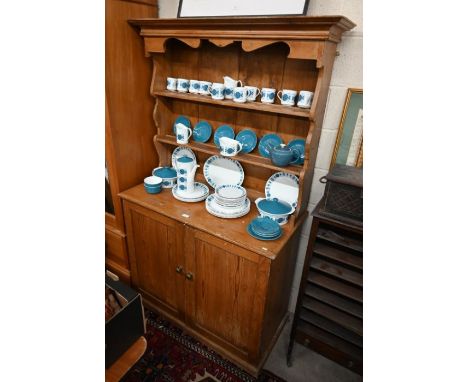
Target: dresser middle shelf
(210, 148)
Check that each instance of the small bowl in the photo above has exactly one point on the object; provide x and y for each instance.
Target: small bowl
(153, 189)
(152, 181)
(168, 176)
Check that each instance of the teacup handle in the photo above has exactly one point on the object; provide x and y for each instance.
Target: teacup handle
(257, 92)
(278, 95)
(190, 132)
(241, 85)
(240, 147)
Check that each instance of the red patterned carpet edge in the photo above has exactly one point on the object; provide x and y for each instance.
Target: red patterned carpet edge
(174, 356)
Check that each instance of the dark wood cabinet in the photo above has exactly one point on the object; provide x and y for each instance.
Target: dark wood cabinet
(328, 316)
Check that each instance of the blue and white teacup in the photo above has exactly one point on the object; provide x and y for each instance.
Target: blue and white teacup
(182, 85)
(217, 91)
(305, 99)
(287, 97)
(252, 93)
(240, 94)
(194, 86)
(268, 95)
(229, 147)
(183, 133)
(171, 84)
(205, 87)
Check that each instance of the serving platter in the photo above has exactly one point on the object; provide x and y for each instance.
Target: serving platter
(283, 186)
(220, 170)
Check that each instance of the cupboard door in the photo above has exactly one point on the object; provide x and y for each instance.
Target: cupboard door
(156, 259)
(225, 292)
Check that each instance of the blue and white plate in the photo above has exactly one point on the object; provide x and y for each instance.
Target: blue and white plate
(248, 139)
(226, 213)
(183, 120)
(182, 151)
(299, 145)
(220, 170)
(223, 131)
(202, 132)
(199, 194)
(253, 233)
(283, 186)
(265, 227)
(267, 142)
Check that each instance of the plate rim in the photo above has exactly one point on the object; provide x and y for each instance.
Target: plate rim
(212, 159)
(272, 178)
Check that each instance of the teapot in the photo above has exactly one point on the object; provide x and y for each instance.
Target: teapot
(283, 155)
(186, 168)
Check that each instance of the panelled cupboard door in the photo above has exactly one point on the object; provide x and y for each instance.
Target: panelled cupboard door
(156, 257)
(223, 292)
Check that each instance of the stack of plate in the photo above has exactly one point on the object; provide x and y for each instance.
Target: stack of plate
(229, 201)
(230, 195)
(263, 228)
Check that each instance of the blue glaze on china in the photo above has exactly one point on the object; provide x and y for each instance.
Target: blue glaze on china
(301, 98)
(196, 86)
(185, 85)
(228, 91)
(182, 179)
(287, 97)
(248, 139)
(182, 171)
(271, 95)
(298, 146)
(181, 187)
(267, 142)
(183, 120)
(165, 173)
(205, 87)
(237, 95)
(153, 190)
(202, 132)
(274, 206)
(282, 155)
(265, 226)
(185, 159)
(166, 183)
(223, 131)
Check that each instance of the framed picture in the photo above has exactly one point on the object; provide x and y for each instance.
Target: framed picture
(349, 141)
(217, 8)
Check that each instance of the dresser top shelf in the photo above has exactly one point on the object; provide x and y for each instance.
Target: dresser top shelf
(196, 216)
(257, 105)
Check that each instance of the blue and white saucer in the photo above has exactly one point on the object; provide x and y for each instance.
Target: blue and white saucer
(202, 132)
(248, 139)
(267, 142)
(199, 194)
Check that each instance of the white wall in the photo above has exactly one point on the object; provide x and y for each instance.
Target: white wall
(347, 73)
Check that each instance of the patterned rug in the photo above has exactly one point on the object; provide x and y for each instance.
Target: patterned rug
(174, 356)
